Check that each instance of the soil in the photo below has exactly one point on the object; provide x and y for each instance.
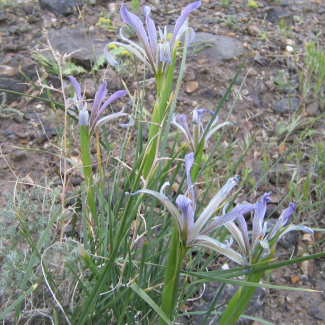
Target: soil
(262, 107)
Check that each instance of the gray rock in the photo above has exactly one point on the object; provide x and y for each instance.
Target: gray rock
(262, 60)
(61, 7)
(284, 106)
(18, 155)
(219, 48)
(70, 40)
(313, 109)
(275, 14)
(290, 239)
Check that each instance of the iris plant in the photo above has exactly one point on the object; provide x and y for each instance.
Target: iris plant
(260, 238)
(194, 232)
(155, 54)
(94, 120)
(179, 120)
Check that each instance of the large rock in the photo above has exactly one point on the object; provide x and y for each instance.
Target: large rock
(60, 7)
(216, 47)
(74, 41)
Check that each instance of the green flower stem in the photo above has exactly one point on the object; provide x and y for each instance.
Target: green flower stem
(197, 161)
(86, 161)
(175, 259)
(164, 89)
(240, 300)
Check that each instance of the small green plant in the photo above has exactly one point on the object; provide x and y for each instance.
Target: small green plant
(252, 4)
(282, 83)
(8, 111)
(105, 23)
(135, 5)
(52, 66)
(224, 3)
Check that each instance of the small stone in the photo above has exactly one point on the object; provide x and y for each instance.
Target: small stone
(289, 41)
(253, 30)
(294, 278)
(285, 105)
(13, 29)
(288, 240)
(18, 155)
(88, 86)
(75, 181)
(308, 239)
(263, 61)
(191, 86)
(245, 92)
(189, 74)
(313, 109)
(208, 93)
(289, 48)
(252, 72)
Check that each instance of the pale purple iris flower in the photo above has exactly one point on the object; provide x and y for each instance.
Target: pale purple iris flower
(194, 232)
(194, 137)
(94, 120)
(262, 243)
(155, 54)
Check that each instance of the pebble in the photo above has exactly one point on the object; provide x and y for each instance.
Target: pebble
(262, 60)
(313, 109)
(191, 86)
(285, 106)
(289, 48)
(294, 278)
(18, 155)
(75, 181)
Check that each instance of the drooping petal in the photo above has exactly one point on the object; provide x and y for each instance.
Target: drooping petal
(212, 206)
(107, 118)
(180, 21)
(215, 129)
(109, 58)
(136, 24)
(189, 161)
(118, 94)
(217, 246)
(151, 31)
(283, 219)
(294, 228)
(99, 97)
(76, 87)
(184, 204)
(181, 127)
(232, 215)
(182, 121)
(167, 203)
(131, 122)
(259, 216)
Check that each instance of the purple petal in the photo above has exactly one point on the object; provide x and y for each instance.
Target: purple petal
(76, 87)
(184, 204)
(189, 160)
(182, 121)
(259, 216)
(99, 97)
(113, 97)
(283, 219)
(136, 24)
(151, 31)
(180, 21)
(239, 210)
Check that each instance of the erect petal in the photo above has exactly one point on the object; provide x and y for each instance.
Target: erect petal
(137, 25)
(283, 219)
(197, 115)
(235, 231)
(189, 160)
(180, 21)
(212, 206)
(217, 246)
(259, 216)
(242, 225)
(99, 97)
(164, 52)
(167, 203)
(118, 94)
(76, 87)
(184, 204)
(83, 118)
(151, 31)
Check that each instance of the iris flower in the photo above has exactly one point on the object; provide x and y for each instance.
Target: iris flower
(93, 121)
(179, 120)
(194, 232)
(155, 54)
(261, 241)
